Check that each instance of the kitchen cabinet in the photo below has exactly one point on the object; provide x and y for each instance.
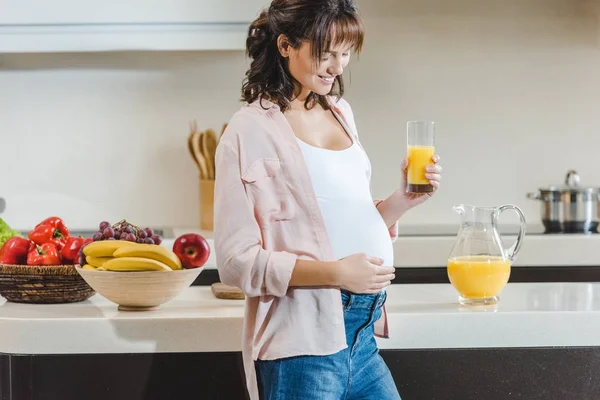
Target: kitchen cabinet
(120, 25)
(539, 342)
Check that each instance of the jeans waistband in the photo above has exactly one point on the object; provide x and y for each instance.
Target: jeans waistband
(366, 301)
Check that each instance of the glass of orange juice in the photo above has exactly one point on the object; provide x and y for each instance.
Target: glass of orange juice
(420, 140)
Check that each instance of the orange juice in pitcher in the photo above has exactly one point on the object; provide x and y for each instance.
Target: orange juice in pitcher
(478, 277)
(479, 265)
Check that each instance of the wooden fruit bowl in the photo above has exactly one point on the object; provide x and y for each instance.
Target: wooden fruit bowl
(47, 284)
(139, 291)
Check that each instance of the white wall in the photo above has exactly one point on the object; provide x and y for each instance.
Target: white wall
(104, 136)
(514, 88)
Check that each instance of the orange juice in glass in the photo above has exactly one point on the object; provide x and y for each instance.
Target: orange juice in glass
(420, 140)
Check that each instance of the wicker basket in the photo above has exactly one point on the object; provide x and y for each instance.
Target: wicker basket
(43, 284)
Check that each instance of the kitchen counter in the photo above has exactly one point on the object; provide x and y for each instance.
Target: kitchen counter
(420, 316)
(541, 341)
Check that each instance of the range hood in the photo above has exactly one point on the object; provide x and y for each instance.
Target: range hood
(41, 26)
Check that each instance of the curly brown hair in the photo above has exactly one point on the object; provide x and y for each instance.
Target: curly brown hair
(322, 23)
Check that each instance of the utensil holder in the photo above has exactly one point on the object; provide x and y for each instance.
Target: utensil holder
(207, 195)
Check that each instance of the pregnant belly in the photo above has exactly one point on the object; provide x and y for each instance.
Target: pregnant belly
(352, 232)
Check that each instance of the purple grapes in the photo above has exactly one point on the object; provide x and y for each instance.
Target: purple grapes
(108, 233)
(126, 231)
(81, 257)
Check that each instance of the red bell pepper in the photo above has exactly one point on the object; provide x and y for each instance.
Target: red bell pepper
(70, 252)
(46, 254)
(14, 251)
(49, 233)
(57, 223)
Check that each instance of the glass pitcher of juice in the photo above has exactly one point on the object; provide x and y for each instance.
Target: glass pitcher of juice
(479, 265)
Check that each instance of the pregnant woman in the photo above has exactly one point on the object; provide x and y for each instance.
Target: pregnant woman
(296, 227)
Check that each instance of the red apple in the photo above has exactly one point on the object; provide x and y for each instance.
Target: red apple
(192, 249)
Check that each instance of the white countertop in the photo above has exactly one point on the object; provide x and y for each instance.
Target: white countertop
(420, 316)
(432, 251)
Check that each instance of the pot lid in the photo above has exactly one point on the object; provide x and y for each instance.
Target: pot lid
(572, 184)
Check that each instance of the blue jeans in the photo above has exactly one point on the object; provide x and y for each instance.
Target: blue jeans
(357, 372)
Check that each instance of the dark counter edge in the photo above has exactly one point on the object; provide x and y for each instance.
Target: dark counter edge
(435, 374)
(439, 275)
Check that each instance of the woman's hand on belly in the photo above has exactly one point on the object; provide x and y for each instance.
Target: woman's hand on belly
(360, 273)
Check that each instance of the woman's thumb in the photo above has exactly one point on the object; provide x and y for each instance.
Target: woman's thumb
(404, 164)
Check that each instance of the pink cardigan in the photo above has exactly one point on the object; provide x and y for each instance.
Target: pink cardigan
(266, 217)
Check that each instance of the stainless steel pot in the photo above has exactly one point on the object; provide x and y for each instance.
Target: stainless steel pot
(569, 208)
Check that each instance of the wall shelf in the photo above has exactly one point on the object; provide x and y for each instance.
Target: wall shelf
(146, 25)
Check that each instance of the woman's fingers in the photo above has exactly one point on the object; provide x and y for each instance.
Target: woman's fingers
(378, 287)
(384, 278)
(434, 174)
(435, 169)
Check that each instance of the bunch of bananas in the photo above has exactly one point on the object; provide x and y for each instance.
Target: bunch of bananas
(122, 255)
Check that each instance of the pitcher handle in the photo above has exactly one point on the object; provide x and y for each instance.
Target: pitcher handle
(513, 250)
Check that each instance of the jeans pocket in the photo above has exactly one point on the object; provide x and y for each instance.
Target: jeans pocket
(345, 301)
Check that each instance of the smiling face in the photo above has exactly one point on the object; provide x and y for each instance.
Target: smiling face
(299, 50)
(316, 76)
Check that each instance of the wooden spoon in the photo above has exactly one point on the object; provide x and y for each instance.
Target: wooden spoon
(209, 165)
(199, 155)
(209, 147)
(191, 149)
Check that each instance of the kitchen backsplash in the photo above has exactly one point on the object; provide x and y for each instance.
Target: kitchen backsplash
(513, 86)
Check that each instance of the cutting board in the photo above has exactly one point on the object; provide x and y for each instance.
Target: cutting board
(222, 291)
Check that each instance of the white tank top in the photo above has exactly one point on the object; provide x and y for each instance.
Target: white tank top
(340, 179)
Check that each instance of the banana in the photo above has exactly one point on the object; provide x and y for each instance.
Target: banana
(88, 266)
(152, 251)
(104, 248)
(135, 264)
(97, 261)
